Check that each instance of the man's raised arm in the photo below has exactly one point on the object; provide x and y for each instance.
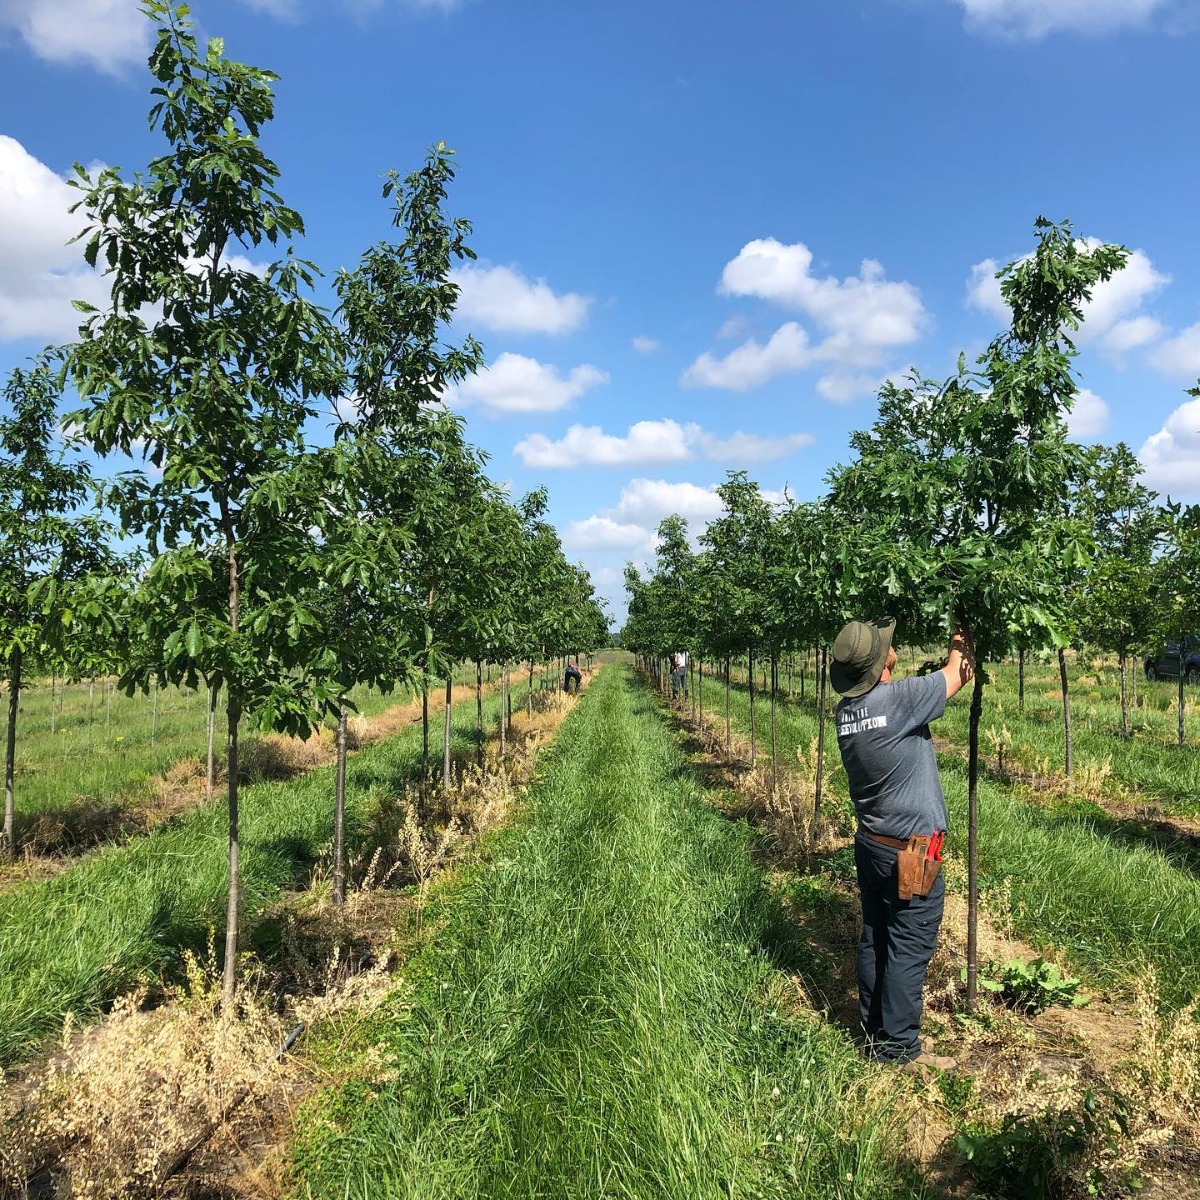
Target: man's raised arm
(960, 665)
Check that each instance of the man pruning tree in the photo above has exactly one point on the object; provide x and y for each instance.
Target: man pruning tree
(883, 736)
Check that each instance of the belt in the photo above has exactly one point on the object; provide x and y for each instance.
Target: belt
(895, 843)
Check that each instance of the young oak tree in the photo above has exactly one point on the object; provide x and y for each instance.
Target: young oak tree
(951, 503)
(208, 367)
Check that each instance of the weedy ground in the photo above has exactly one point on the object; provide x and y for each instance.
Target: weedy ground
(169, 1095)
(94, 766)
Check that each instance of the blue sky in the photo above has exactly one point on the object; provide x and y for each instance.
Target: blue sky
(706, 232)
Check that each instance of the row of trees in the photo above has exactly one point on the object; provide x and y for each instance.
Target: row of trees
(235, 552)
(966, 501)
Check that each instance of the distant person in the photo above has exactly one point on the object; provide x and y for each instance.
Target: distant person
(572, 677)
(679, 674)
(883, 735)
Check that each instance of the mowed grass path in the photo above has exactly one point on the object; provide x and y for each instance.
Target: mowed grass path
(595, 1013)
(1114, 903)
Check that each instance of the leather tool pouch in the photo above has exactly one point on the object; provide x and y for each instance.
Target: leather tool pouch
(915, 874)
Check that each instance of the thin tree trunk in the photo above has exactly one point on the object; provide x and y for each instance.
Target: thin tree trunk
(1123, 662)
(1182, 672)
(8, 844)
(753, 725)
(233, 714)
(700, 692)
(529, 698)
(820, 767)
(973, 841)
(1021, 680)
(229, 978)
(479, 714)
(504, 711)
(774, 742)
(728, 725)
(154, 717)
(52, 683)
(425, 768)
(108, 699)
(91, 707)
(791, 676)
(1069, 743)
(446, 733)
(339, 810)
(210, 762)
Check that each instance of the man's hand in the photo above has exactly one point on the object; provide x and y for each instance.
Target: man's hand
(960, 664)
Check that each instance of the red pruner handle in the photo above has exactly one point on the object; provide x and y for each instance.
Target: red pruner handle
(935, 846)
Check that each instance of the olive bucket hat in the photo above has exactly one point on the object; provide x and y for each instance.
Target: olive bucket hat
(859, 655)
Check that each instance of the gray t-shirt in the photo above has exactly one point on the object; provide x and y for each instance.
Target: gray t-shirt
(888, 755)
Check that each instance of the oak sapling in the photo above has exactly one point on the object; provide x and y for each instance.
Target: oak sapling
(207, 366)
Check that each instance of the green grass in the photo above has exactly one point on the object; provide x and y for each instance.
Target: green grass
(86, 754)
(1078, 881)
(592, 1016)
(73, 943)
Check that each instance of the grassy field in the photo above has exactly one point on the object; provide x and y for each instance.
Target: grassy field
(1112, 897)
(74, 942)
(598, 1015)
(89, 757)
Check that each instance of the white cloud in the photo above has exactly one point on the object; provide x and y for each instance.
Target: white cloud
(983, 290)
(1037, 18)
(647, 501)
(632, 524)
(106, 34)
(843, 386)
(40, 274)
(516, 384)
(503, 299)
(736, 326)
(1179, 355)
(1171, 457)
(1133, 333)
(285, 10)
(752, 364)
(648, 442)
(651, 443)
(862, 319)
(645, 345)
(744, 448)
(604, 533)
(1088, 417)
(862, 313)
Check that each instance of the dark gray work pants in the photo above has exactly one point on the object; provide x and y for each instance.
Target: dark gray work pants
(897, 943)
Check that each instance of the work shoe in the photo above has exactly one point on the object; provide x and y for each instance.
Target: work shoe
(924, 1062)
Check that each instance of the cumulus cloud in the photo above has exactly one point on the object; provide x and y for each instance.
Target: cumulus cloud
(632, 524)
(1171, 457)
(752, 363)
(1179, 355)
(1037, 18)
(516, 384)
(40, 274)
(109, 35)
(645, 345)
(1088, 417)
(604, 533)
(1113, 319)
(503, 299)
(862, 319)
(651, 443)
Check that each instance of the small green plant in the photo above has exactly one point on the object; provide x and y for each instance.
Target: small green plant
(1040, 1156)
(1034, 986)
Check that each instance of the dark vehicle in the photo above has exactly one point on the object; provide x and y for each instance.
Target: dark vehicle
(1174, 657)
